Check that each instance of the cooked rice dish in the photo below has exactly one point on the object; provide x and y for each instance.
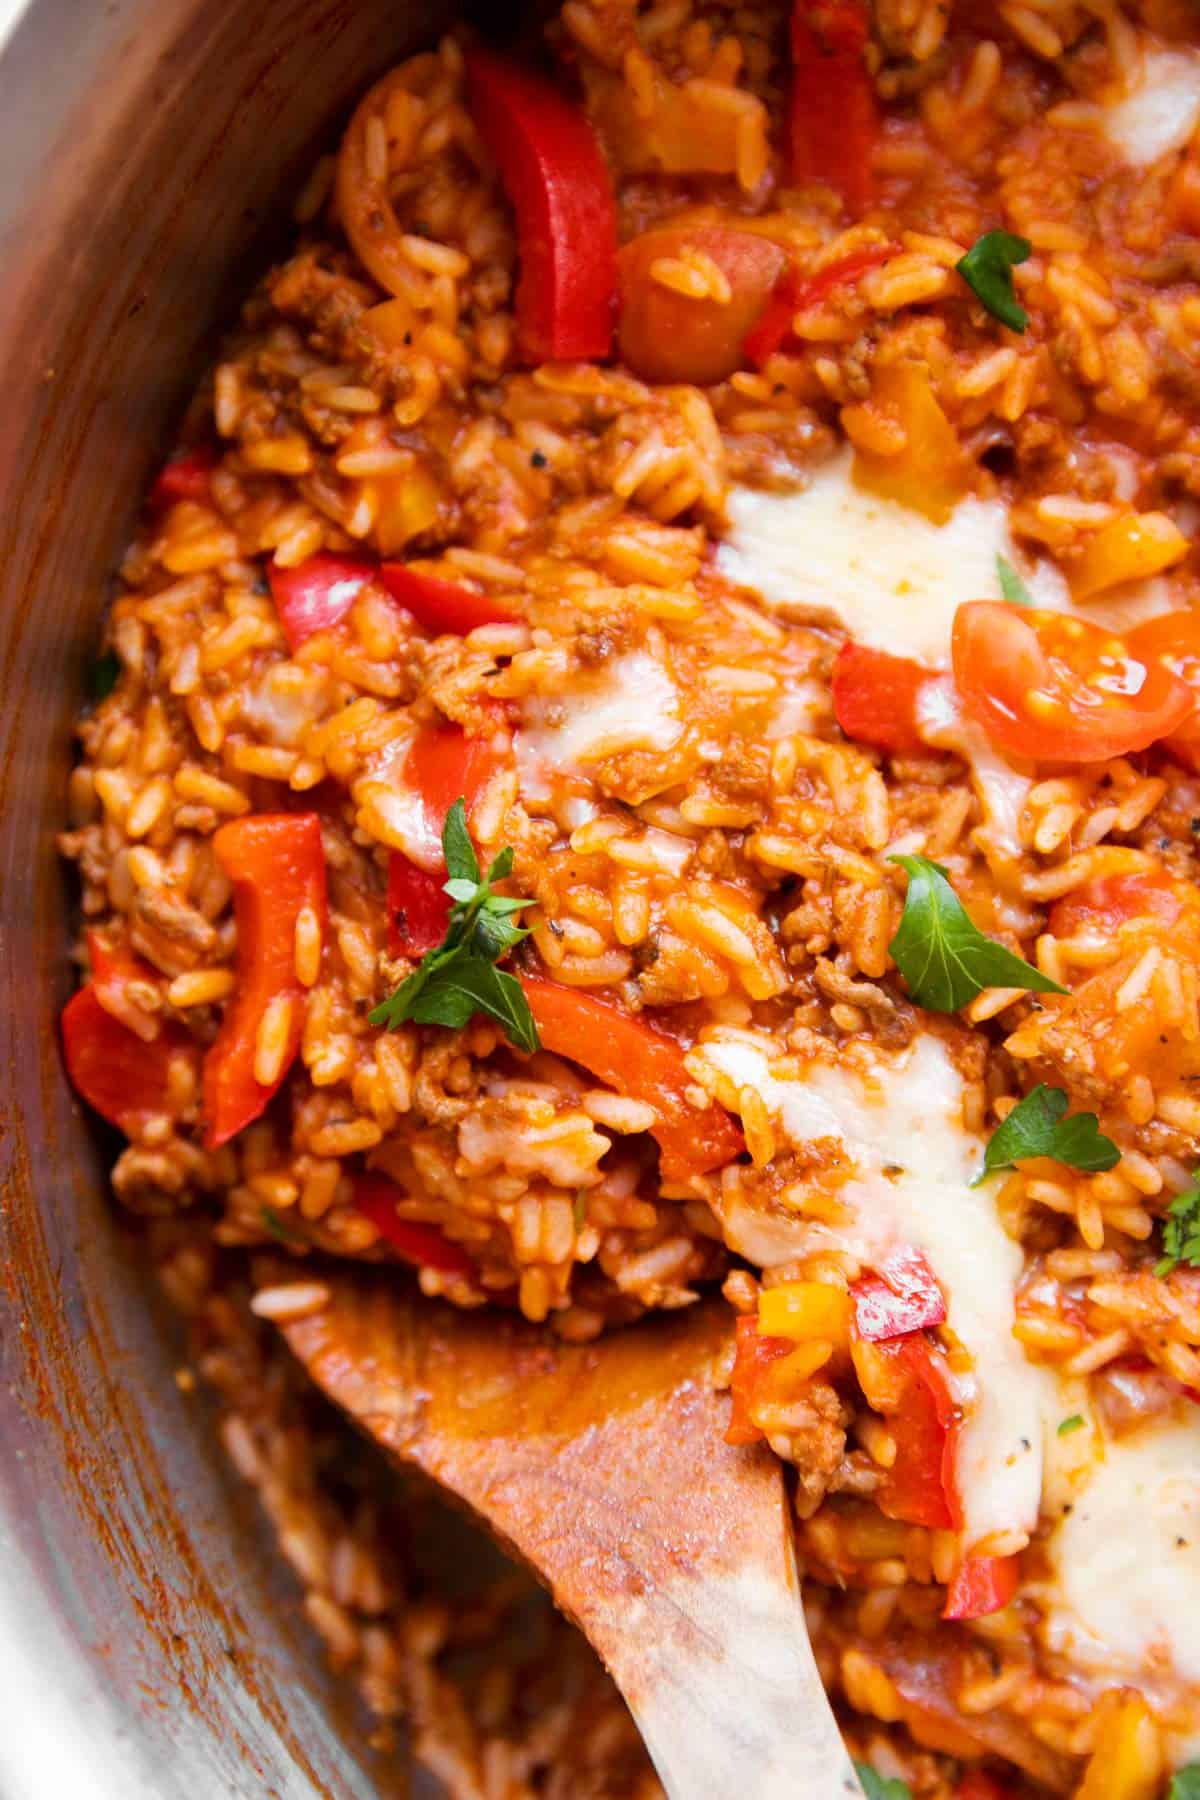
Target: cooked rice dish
(650, 747)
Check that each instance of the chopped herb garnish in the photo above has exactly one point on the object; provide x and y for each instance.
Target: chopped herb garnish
(1067, 1426)
(1036, 1127)
(987, 270)
(1181, 1231)
(877, 1787)
(276, 1226)
(459, 979)
(945, 959)
(105, 672)
(1011, 585)
(579, 1210)
(1185, 1783)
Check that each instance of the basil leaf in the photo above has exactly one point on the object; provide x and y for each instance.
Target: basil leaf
(105, 673)
(494, 937)
(944, 958)
(1036, 1127)
(461, 862)
(502, 865)
(1067, 1426)
(1185, 1783)
(461, 889)
(877, 1787)
(1011, 585)
(987, 270)
(1181, 1234)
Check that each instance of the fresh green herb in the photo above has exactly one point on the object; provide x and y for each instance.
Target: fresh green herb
(945, 959)
(1067, 1426)
(987, 270)
(105, 671)
(877, 1787)
(459, 979)
(1036, 1127)
(1011, 585)
(1181, 1234)
(579, 1210)
(276, 1226)
(1185, 1783)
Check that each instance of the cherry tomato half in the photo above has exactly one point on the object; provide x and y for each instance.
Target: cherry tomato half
(1048, 685)
(1174, 638)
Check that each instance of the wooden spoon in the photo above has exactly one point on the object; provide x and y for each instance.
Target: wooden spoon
(605, 1467)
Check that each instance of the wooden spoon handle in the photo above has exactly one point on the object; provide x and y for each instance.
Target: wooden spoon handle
(605, 1467)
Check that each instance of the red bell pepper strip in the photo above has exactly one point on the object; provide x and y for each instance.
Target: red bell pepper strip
(902, 1295)
(876, 697)
(185, 477)
(418, 908)
(113, 966)
(441, 606)
(641, 1062)
(555, 175)
(120, 1075)
(445, 765)
(424, 1245)
(753, 1357)
(317, 594)
(277, 866)
(918, 1488)
(795, 293)
(832, 114)
(981, 1585)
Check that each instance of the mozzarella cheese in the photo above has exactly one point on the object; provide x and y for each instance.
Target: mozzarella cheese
(1161, 112)
(910, 1163)
(629, 704)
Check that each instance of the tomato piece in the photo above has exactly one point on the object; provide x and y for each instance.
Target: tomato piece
(754, 1355)
(1050, 686)
(981, 1585)
(833, 118)
(665, 335)
(185, 477)
(1174, 639)
(902, 1295)
(795, 292)
(120, 1075)
(638, 1060)
(441, 606)
(876, 697)
(414, 1241)
(316, 595)
(557, 180)
(418, 908)
(277, 866)
(1114, 905)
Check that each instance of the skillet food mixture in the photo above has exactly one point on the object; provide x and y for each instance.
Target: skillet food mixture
(652, 746)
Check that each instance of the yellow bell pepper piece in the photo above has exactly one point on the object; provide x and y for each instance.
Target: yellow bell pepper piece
(1129, 548)
(930, 473)
(805, 1311)
(1126, 1763)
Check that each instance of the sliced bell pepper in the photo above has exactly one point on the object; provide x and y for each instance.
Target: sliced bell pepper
(981, 1585)
(640, 1062)
(876, 697)
(120, 1075)
(901, 1295)
(445, 765)
(833, 119)
(795, 292)
(418, 908)
(441, 606)
(905, 1378)
(555, 175)
(424, 1245)
(113, 966)
(317, 594)
(185, 477)
(277, 866)
(754, 1355)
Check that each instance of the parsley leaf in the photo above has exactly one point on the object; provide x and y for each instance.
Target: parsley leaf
(1185, 1783)
(1011, 585)
(987, 270)
(1067, 1426)
(945, 959)
(460, 978)
(1036, 1127)
(104, 675)
(1181, 1238)
(877, 1787)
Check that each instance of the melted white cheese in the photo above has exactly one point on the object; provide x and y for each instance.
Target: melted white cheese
(884, 573)
(629, 704)
(1003, 789)
(1161, 112)
(1125, 1599)
(911, 1166)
